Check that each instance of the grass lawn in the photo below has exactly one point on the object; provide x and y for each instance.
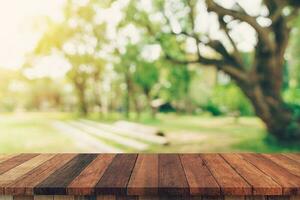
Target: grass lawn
(33, 132)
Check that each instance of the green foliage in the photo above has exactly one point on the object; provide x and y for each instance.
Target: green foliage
(228, 99)
(294, 52)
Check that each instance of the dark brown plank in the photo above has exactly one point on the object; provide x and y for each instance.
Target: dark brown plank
(289, 182)
(260, 182)
(144, 178)
(116, 177)
(285, 162)
(25, 185)
(57, 182)
(230, 182)
(90, 176)
(172, 180)
(15, 161)
(200, 180)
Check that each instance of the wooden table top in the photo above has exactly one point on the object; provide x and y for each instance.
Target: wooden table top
(150, 174)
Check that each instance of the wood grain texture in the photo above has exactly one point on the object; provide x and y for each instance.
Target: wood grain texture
(25, 185)
(148, 197)
(289, 182)
(6, 197)
(283, 161)
(234, 197)
(230, 181)
(63, 197)
(144, 178)
(43, 197)
(295, 197)
(57, 182)
(260, 182)
(90, 176)
(15, 161)
(117, 175)
(23, 168)
(200, 180)
(23, 198)
(150, 176)
(293, 156)
(106, 197)
(4, 157)
(172, 180)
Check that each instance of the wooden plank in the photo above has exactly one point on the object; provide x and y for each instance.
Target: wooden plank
(63, 197)
(15, 161)
(6, 197)
(260, 182)
(283, 161)
(230, 182)
(84, 139)
(106, 197)
(25, 185)
(57, 182)
(21, 170)
(148, 197)
(234, 197)
(4, 157)
(84, 197)
(258, 197)
(172, 180)
(212, 198)
(127, 198)
(23, 198)
(125, 141)
(272, 197)
(43, 197)
(293, 156)
(295, 197)
(90, 176)
(128, 133)
(200, 180)
(289, 182)
(116, 177)
(144, 178)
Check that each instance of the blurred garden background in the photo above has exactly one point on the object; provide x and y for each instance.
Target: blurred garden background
(149, 76)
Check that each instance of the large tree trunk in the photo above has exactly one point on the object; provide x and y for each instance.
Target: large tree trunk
(279, 119)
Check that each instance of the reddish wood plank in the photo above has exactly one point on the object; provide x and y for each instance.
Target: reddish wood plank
(25, 185)
(283, 161)
(144, 178)
(4, 157)
(90, 176)
(15, 161)
(200, 180)
(230, 181)
(57, 182)
(289, 182)
(260, 182)
(172, 180)
(116, 177)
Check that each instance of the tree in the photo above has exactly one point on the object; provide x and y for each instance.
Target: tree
(79, 39)
(261, 80)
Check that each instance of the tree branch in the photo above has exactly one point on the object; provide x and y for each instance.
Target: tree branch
(263, 32)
